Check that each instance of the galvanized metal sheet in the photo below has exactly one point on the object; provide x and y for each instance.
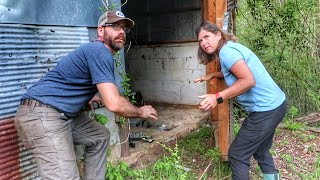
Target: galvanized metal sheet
(28, 52)
(51, 12)
(15, 161)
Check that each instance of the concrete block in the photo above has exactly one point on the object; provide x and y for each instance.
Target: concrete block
(163, 75)
(149, 85)
(155, 64)
(180, 75)
(174, 64)
(185, 50)
(171, 97)
(173, 86)
(190, 63)
(190, 93)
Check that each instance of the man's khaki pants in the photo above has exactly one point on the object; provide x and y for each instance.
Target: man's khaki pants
(51, 136)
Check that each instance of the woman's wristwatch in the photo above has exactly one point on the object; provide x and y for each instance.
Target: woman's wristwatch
(219, 98)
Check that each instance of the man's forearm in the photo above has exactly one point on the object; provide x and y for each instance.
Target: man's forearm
(127, 109)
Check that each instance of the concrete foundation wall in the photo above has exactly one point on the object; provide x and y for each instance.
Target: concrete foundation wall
(165, 73)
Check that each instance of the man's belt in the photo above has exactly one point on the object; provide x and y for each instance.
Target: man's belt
(33, 103)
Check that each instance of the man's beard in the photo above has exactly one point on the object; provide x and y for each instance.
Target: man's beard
(113, 44)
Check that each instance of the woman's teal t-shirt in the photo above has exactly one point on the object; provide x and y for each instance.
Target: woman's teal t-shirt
(266, 94)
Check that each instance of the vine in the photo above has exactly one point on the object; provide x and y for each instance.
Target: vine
(127, 92)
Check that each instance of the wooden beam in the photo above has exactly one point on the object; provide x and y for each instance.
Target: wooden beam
(209, 14)
(213, 11)
(223, 109)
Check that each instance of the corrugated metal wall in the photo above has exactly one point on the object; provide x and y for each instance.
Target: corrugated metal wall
(15, 161)
(51, 12)
(26, 53)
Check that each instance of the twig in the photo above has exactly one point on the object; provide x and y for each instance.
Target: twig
(225, 178)
(206, 169)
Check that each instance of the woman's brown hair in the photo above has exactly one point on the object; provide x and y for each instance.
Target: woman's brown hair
(205, 58)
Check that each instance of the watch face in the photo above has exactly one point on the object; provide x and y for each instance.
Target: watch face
(220, 100)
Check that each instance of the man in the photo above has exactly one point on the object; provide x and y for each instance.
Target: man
(48, 120)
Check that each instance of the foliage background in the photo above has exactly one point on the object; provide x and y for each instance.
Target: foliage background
(284, 34)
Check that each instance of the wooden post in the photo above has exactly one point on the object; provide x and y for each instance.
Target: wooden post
(213, 11)
(123, 136)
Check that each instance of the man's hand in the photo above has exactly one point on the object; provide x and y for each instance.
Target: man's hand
(97, 99)
(148, 112)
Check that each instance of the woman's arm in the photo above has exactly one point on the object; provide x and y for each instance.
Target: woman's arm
(245, 81)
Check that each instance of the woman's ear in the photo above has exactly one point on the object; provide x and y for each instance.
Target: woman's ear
(219, 35)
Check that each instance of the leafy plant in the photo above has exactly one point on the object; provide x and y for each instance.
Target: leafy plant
(192, 141)
(168, 167)
(284, 36)
(289, 120)
(127, 92)
(102, 119)
(120, 171)
(287, 157)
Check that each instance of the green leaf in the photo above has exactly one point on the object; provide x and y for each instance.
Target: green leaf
(102, 119)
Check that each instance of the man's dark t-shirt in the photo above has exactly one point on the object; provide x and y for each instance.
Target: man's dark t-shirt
(72, 83)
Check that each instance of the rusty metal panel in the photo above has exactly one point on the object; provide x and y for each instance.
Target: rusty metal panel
(51, 12)
(27, 52)
(15, 161)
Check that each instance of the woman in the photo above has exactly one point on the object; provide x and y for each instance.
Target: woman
(249, 81)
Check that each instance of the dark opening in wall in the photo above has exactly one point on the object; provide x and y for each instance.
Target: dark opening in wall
(163, 21)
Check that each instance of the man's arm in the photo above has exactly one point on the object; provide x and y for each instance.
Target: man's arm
(119, 104)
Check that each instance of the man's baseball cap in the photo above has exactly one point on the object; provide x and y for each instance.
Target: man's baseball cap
(114, 16)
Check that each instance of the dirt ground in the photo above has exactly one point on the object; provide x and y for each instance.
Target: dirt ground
(174, 122)
(295, 152)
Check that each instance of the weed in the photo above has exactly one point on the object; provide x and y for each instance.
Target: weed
(315, 175)
(236, 127)
(194, 142)
(102, 119)
(289, 120)
(283, 143)
(293, 126)
(287, 157)
(120, 171)
(168, 167)
(221, 169)
(307, 137)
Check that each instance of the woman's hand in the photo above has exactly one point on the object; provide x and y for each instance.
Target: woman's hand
(200, 79)
(209, 101)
